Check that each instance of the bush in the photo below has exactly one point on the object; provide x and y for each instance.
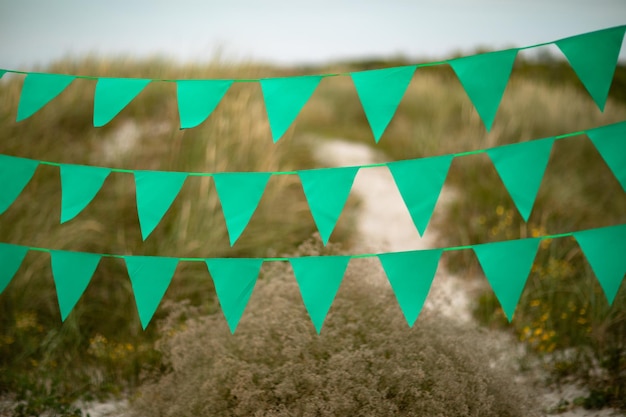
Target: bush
(366, 361)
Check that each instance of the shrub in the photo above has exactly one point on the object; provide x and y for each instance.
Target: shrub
(365, 362)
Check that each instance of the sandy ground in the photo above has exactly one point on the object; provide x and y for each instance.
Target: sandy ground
(384, 225)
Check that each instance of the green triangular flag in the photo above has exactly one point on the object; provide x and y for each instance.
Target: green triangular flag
(15, 173)
(79, 185)
(239, 193)
(198, 98)
(284, 98)
(419, 182)
(2, 72)
(610, 141)
(593, 56)
(38, 90)
(326, 191)
(380, 92)
(155, 192)
(506, 266)
(72, 272)
(605, 250)
(319, 278)
(484, 78)
(11, 257)
(521, 167)
(150, 276)
(112, 95)
(411, 275)
(234, 280)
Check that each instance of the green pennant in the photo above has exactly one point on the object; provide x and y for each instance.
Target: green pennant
(150, 276)
(593, 56)
(15, 173)
(112, 95)
(327, 191)
(605, 250)
(239, 193)
(284, 98)
(72, 272)
(484, 78)
(419, 182)
(2, 72)
(610, 141)
(38, 90)
(506, 266)
(521, 167)
(79, 185)
(155, 193)
(411, 274)
(380, 92)
(11, 257)
(198, 98)
(319, 278)
(234, 280)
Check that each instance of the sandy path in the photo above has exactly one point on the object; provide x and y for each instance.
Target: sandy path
(384, 223)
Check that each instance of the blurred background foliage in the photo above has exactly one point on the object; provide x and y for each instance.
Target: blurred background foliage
(100, 349)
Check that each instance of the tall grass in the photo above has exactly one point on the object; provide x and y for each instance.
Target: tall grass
(101, 342)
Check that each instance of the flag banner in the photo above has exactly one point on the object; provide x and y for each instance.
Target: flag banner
(149, 276)
(239, 194)
(319, 278)
(11, 257)
(380, 92)
(38, 90)
(198, 98)
(521, 167)
(420, 182)
(411, 274)
(15, 174)
(79, 185)
(593, 57)
(72, 272)
(506, 265)
(610, 141)
(484, 78)
(284, 98)
(155, 193)
(605, 250)
(327, 191)
(234, 280)
(112, 95)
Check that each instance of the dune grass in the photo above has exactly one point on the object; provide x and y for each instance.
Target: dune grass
(101, 348)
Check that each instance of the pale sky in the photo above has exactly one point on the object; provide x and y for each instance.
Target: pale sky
(287, 31)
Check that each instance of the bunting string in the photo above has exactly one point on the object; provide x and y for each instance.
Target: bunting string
(521, 167)
(506, 265)
(593, 57)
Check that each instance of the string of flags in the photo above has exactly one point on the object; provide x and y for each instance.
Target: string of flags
(521, 168)
(593, 56)
(506, 265)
